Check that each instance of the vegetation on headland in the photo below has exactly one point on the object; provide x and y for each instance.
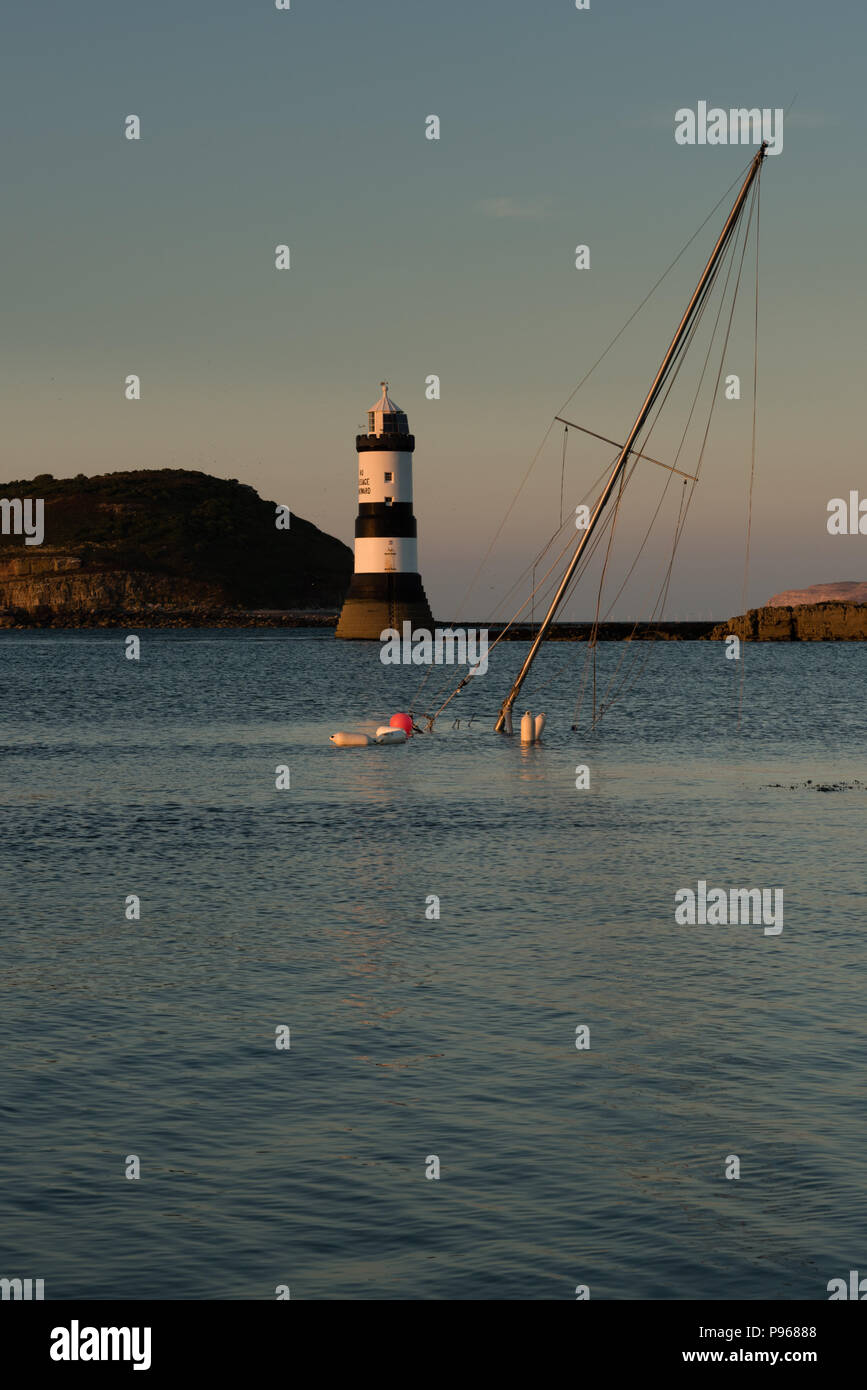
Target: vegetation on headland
(168, 540)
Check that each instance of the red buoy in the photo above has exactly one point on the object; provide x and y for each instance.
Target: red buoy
(401, 721)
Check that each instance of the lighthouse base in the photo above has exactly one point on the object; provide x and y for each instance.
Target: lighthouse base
(379, 601)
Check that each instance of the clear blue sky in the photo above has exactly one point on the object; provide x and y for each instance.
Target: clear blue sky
(412, 257)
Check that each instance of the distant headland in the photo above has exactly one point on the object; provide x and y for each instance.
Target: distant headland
(834, 612)
(163, 547)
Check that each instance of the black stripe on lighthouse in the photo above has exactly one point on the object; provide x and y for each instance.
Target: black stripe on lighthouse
(375, 519)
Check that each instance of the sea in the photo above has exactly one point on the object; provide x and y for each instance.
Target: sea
(405, 1022)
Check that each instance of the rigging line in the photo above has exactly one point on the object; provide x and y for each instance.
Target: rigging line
(575, 581)
(707, 289)
(515, 585)
(680, 446)
(655, 287)
(658, 411)
(707, 359)
(686, 344)
(716, 324)
(662, 594)
(669, 380)
(631, 676)
(591, 549)
(627, 644)
(728, 332)
(671, 377)
(552, 538)
(594, 631)
(584, 564)
(730, 256)
(752, 453)
(682, 523)
(612, 533)
(635, 626)
(444, 684)
(509, 510)
(493, 542)
(537, 587)
(594, 638)
(606, 440)
(674, 368)
(531, 567)
(588, 373)
(500, 636)
(563, 471)
(629, 572)
(662, 597)
(651, 642)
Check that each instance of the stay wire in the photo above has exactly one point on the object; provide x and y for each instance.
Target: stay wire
(589, 373)
(752, 451)
(682, 519)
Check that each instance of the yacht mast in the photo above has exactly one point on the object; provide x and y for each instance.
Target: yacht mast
(505, 715)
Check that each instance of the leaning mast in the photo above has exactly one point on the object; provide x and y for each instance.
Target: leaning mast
(504, 720)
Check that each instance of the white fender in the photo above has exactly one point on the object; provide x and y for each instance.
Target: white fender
(341, 740)
(540, 724)
(389, 735)
(528, 728)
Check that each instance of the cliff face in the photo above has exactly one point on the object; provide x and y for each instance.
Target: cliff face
(57, 580)
(814, 622)
(168, 540)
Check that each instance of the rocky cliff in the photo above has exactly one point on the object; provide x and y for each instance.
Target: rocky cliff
(162, 541)
(813, 622)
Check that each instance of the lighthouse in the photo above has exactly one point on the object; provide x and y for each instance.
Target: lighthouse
(386, 588)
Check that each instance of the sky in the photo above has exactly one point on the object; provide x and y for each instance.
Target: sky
(454, 257)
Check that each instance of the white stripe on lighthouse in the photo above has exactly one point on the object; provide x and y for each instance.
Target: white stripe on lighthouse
(386, 555)
(384, 473)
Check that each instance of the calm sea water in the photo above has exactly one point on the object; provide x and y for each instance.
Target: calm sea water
(413, 1037)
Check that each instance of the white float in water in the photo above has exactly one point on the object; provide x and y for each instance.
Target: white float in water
(384, 734)
(531, 729)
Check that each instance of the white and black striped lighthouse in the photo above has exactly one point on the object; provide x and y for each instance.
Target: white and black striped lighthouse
(386, 588)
